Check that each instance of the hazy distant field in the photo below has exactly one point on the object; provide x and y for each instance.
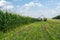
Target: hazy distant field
(49, 30)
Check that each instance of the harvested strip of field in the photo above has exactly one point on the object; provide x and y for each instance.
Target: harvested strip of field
(49, 30)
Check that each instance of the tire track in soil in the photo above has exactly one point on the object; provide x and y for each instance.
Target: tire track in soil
(45, 33)
(43, 30)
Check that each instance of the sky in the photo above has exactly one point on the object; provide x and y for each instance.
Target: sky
(32, 8)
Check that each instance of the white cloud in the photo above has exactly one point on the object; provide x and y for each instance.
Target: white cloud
(2, 2)
(33, 9)
(30, 9)
(5, 5)
(33, 4)
(30, 6)
(9, 6)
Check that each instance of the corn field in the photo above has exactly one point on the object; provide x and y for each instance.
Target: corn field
(10, 20)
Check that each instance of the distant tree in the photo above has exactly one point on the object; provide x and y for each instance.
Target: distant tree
(57, 17)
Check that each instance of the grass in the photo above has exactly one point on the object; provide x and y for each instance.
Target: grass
(49, 30)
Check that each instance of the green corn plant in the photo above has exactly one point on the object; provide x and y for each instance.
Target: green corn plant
(10, 20)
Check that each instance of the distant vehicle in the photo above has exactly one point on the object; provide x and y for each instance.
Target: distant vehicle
(39, 19)
(45, 19)
(42, 19)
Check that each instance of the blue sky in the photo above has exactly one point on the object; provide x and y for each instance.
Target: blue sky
(32, 8)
